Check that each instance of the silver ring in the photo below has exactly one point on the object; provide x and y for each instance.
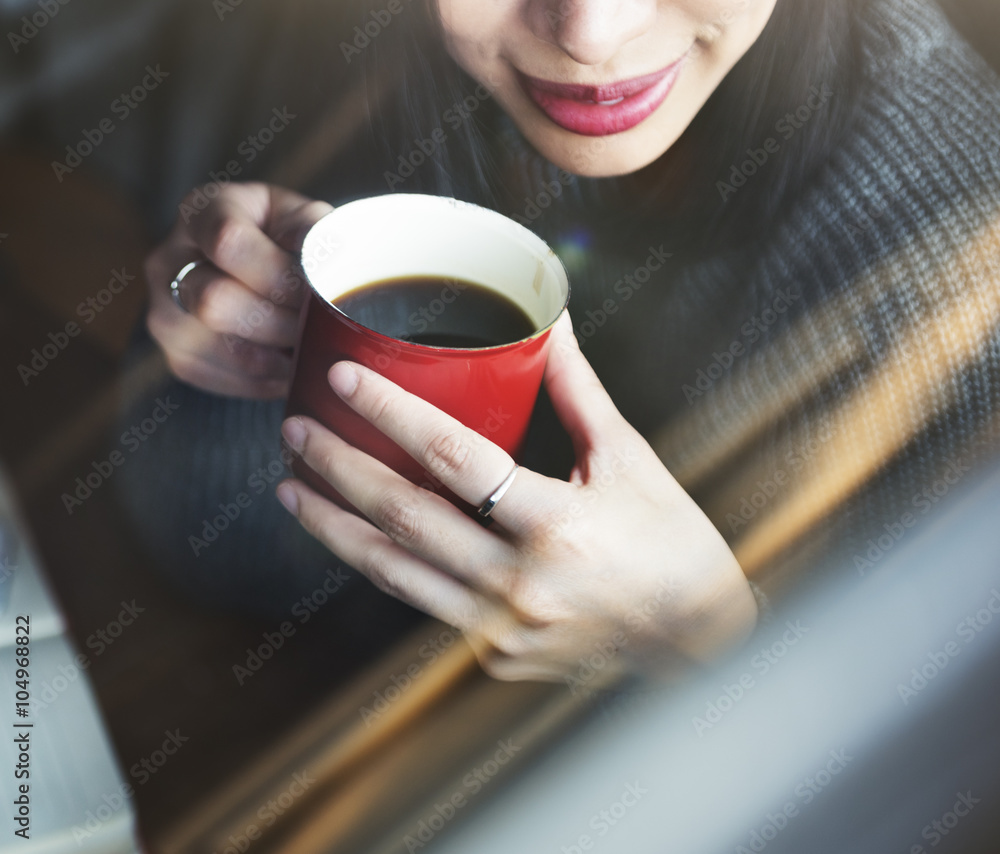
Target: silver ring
(175, 285)
(491, 502)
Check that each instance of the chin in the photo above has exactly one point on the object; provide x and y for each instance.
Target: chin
(611, 167)
(601, 157)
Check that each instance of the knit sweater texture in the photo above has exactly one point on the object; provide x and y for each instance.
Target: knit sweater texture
(808, 389)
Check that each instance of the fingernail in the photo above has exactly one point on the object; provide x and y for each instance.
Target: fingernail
(343, 379)
(288, 497)
(294, 432)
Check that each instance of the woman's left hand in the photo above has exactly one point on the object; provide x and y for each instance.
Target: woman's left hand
(617, 561)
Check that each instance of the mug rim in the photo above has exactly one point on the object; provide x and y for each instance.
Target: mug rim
(498, 218)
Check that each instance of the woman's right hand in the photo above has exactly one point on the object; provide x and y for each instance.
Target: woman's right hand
(241, 319)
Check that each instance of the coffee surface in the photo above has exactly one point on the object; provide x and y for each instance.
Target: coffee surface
(437, 312)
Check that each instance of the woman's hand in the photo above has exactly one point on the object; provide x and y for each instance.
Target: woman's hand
(239, 319)
(618, 561)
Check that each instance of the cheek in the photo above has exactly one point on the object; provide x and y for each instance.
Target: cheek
(724, 38)
(757, 17)
(472, 29)
(741, 22)
(712, 21)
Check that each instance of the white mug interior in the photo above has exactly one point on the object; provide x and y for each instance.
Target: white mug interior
(404, 235)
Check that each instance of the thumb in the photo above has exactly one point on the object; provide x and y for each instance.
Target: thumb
(580, 400)
(292, 219)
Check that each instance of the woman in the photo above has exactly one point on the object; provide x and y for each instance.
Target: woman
(780, 221)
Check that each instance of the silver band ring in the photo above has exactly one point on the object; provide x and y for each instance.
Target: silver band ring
(501, 490)
(175, 285)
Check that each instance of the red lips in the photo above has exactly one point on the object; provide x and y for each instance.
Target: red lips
(586, 109)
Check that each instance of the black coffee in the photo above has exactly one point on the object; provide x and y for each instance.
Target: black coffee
(437, 312)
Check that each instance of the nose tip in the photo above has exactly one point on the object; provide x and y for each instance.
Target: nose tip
(591, 31)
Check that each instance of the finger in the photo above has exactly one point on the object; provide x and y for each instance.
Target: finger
(231, 234)
(467, 463)
(227, 307)
(388, 565)
(292, 217)
(582, 404)
(216, 377)
(221, 364)
(414, 518)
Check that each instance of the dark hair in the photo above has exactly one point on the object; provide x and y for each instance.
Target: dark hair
(806, 44)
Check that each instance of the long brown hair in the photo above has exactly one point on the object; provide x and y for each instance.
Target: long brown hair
(809, 48)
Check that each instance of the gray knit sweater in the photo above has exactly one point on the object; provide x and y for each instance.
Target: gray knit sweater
(817, 389)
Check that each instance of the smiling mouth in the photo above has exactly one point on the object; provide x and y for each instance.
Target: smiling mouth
(601, 110)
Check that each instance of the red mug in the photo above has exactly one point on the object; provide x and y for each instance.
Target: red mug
(490, 389)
